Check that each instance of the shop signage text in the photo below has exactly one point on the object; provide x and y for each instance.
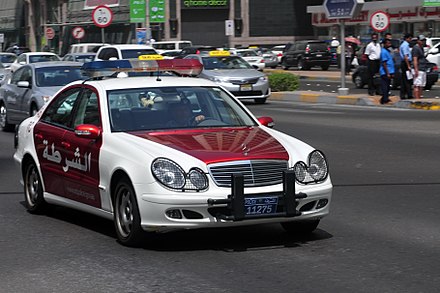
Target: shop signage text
(205, 4)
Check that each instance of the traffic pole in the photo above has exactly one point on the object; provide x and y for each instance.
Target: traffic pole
(343, 90)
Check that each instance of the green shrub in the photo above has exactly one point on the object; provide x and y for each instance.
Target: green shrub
(283, 81)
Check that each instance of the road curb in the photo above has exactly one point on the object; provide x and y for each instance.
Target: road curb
(359, 100)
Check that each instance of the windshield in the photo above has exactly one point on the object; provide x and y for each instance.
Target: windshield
(57, 76)
(231, 62)
(248, 53)
(43, 58)
(7, 58)
(174, 108)
(84, 58)
(135, 53)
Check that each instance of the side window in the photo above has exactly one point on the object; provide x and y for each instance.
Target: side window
(21, 58)
(16, 76)
(108, 53)
(302, 46)
(26, 75)
(88, 109)
(59, 112)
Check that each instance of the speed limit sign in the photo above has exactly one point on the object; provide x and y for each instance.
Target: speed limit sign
(102, 16)
(380, 21)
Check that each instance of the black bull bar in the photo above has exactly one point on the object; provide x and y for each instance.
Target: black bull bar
(236, 211)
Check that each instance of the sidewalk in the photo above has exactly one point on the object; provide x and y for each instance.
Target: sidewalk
(351, 99)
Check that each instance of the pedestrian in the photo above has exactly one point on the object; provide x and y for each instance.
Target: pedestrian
(373, 62)
(419, 67)
(405, 66)
(386, 70)
(348, 57)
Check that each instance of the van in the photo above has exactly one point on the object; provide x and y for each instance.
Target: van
(164, 46)
(123, 51)
(85, 47)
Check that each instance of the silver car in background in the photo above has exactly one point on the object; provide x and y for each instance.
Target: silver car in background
(31, 86)
(234, 74)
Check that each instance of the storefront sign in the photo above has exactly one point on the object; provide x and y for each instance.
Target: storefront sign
(192, 4)
(431, 3)
(137, 11)
(157, 10)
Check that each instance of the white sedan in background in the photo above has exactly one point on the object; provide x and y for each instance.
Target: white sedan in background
(251, 56)
(114, 147)
(33, 57)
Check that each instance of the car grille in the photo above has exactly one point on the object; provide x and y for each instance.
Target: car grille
(247, 93)
(256, 173)
(244, 81)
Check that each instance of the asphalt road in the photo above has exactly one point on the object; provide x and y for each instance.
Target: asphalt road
(382, 234)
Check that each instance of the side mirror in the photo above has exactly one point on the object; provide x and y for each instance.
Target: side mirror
(24, 84)
(266, 121)
(88, 131)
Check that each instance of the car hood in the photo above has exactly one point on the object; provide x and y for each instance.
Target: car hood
(47, 90)
(221, 145)
(239, 73)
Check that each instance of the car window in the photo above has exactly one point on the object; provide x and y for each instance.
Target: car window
(318, 46)
(153, 108)
(7, 58)
(84, 58)
(21, 58)
(88, 109)
(135, 53)
(301, 46)
(59, 112)
(26, 75)
(42, 58)
(108, 53)
(232, 62)
(16, 75)
(247, 53)
(58, 76)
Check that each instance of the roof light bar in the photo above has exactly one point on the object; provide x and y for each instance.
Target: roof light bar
(185, 67)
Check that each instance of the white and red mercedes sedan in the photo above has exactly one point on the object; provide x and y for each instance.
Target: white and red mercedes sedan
(160, 153)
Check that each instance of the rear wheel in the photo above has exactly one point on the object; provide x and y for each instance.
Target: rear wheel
(284, 64)
(126, 215)
(33, 190)
(300, 227)
(301, 65)
(325, 67)
(358, 82)
(4, 125)
(33, 110)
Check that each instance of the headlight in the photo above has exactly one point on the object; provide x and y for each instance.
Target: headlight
(45, 98)
(263, 78)
(168, 173)
(172, 176)
(217, 79)
(315, 171)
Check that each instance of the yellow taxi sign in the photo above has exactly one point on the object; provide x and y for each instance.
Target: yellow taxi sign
(151, 57)
(219, 53)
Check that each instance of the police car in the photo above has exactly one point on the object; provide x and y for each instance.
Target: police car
(111, 146)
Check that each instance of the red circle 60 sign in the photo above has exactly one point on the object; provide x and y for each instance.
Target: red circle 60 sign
(102, 16)
(380, 21)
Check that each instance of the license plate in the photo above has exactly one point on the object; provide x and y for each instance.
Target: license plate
(318, 55)
(245, 87)
(260, 205)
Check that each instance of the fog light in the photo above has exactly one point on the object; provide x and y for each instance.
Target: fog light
(322, 203)
(174, 214)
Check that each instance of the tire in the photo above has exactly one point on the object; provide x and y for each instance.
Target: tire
(127, 219)
(300, 227)
(325, 67)
(33, 190)
(284, 66)
(301, 65)
(357, 80)
(428, 87)
(260, 101)
(33, 110)
(4, 125)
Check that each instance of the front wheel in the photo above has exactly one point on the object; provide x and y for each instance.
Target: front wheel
(126, 215)
(300, 227)
(260, 101)
(4, 125)
(358, 82)
(33, 190)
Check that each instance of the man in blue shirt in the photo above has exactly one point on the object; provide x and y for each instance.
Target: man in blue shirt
(405, 65)
(386, 71)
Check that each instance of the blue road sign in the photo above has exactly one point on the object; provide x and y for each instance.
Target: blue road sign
(342, 8)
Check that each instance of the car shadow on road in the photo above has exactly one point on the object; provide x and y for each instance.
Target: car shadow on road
(228, 239)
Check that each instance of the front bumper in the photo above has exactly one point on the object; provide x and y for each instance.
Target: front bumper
(162, 214)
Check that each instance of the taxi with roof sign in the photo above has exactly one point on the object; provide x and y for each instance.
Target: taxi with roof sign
(234, 74)
(162, 153)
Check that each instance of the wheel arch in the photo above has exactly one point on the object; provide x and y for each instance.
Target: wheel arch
(116, 177)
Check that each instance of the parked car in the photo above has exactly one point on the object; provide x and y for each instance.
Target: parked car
(278, 50)
(195, 50)
(79, 57)
(33, 57)
(307, 54)
(7, 59)
(31, 86)
(251, 56)
(86, 47)
(360, 77)
(234, 74)
(5, 73)
(166, 46)
(126, 51)
(270, 58)
(109, 147)
(170, 54)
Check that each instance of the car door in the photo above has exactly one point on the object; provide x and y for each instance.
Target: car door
(15, 95)
(48, 138)
(81, 162)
